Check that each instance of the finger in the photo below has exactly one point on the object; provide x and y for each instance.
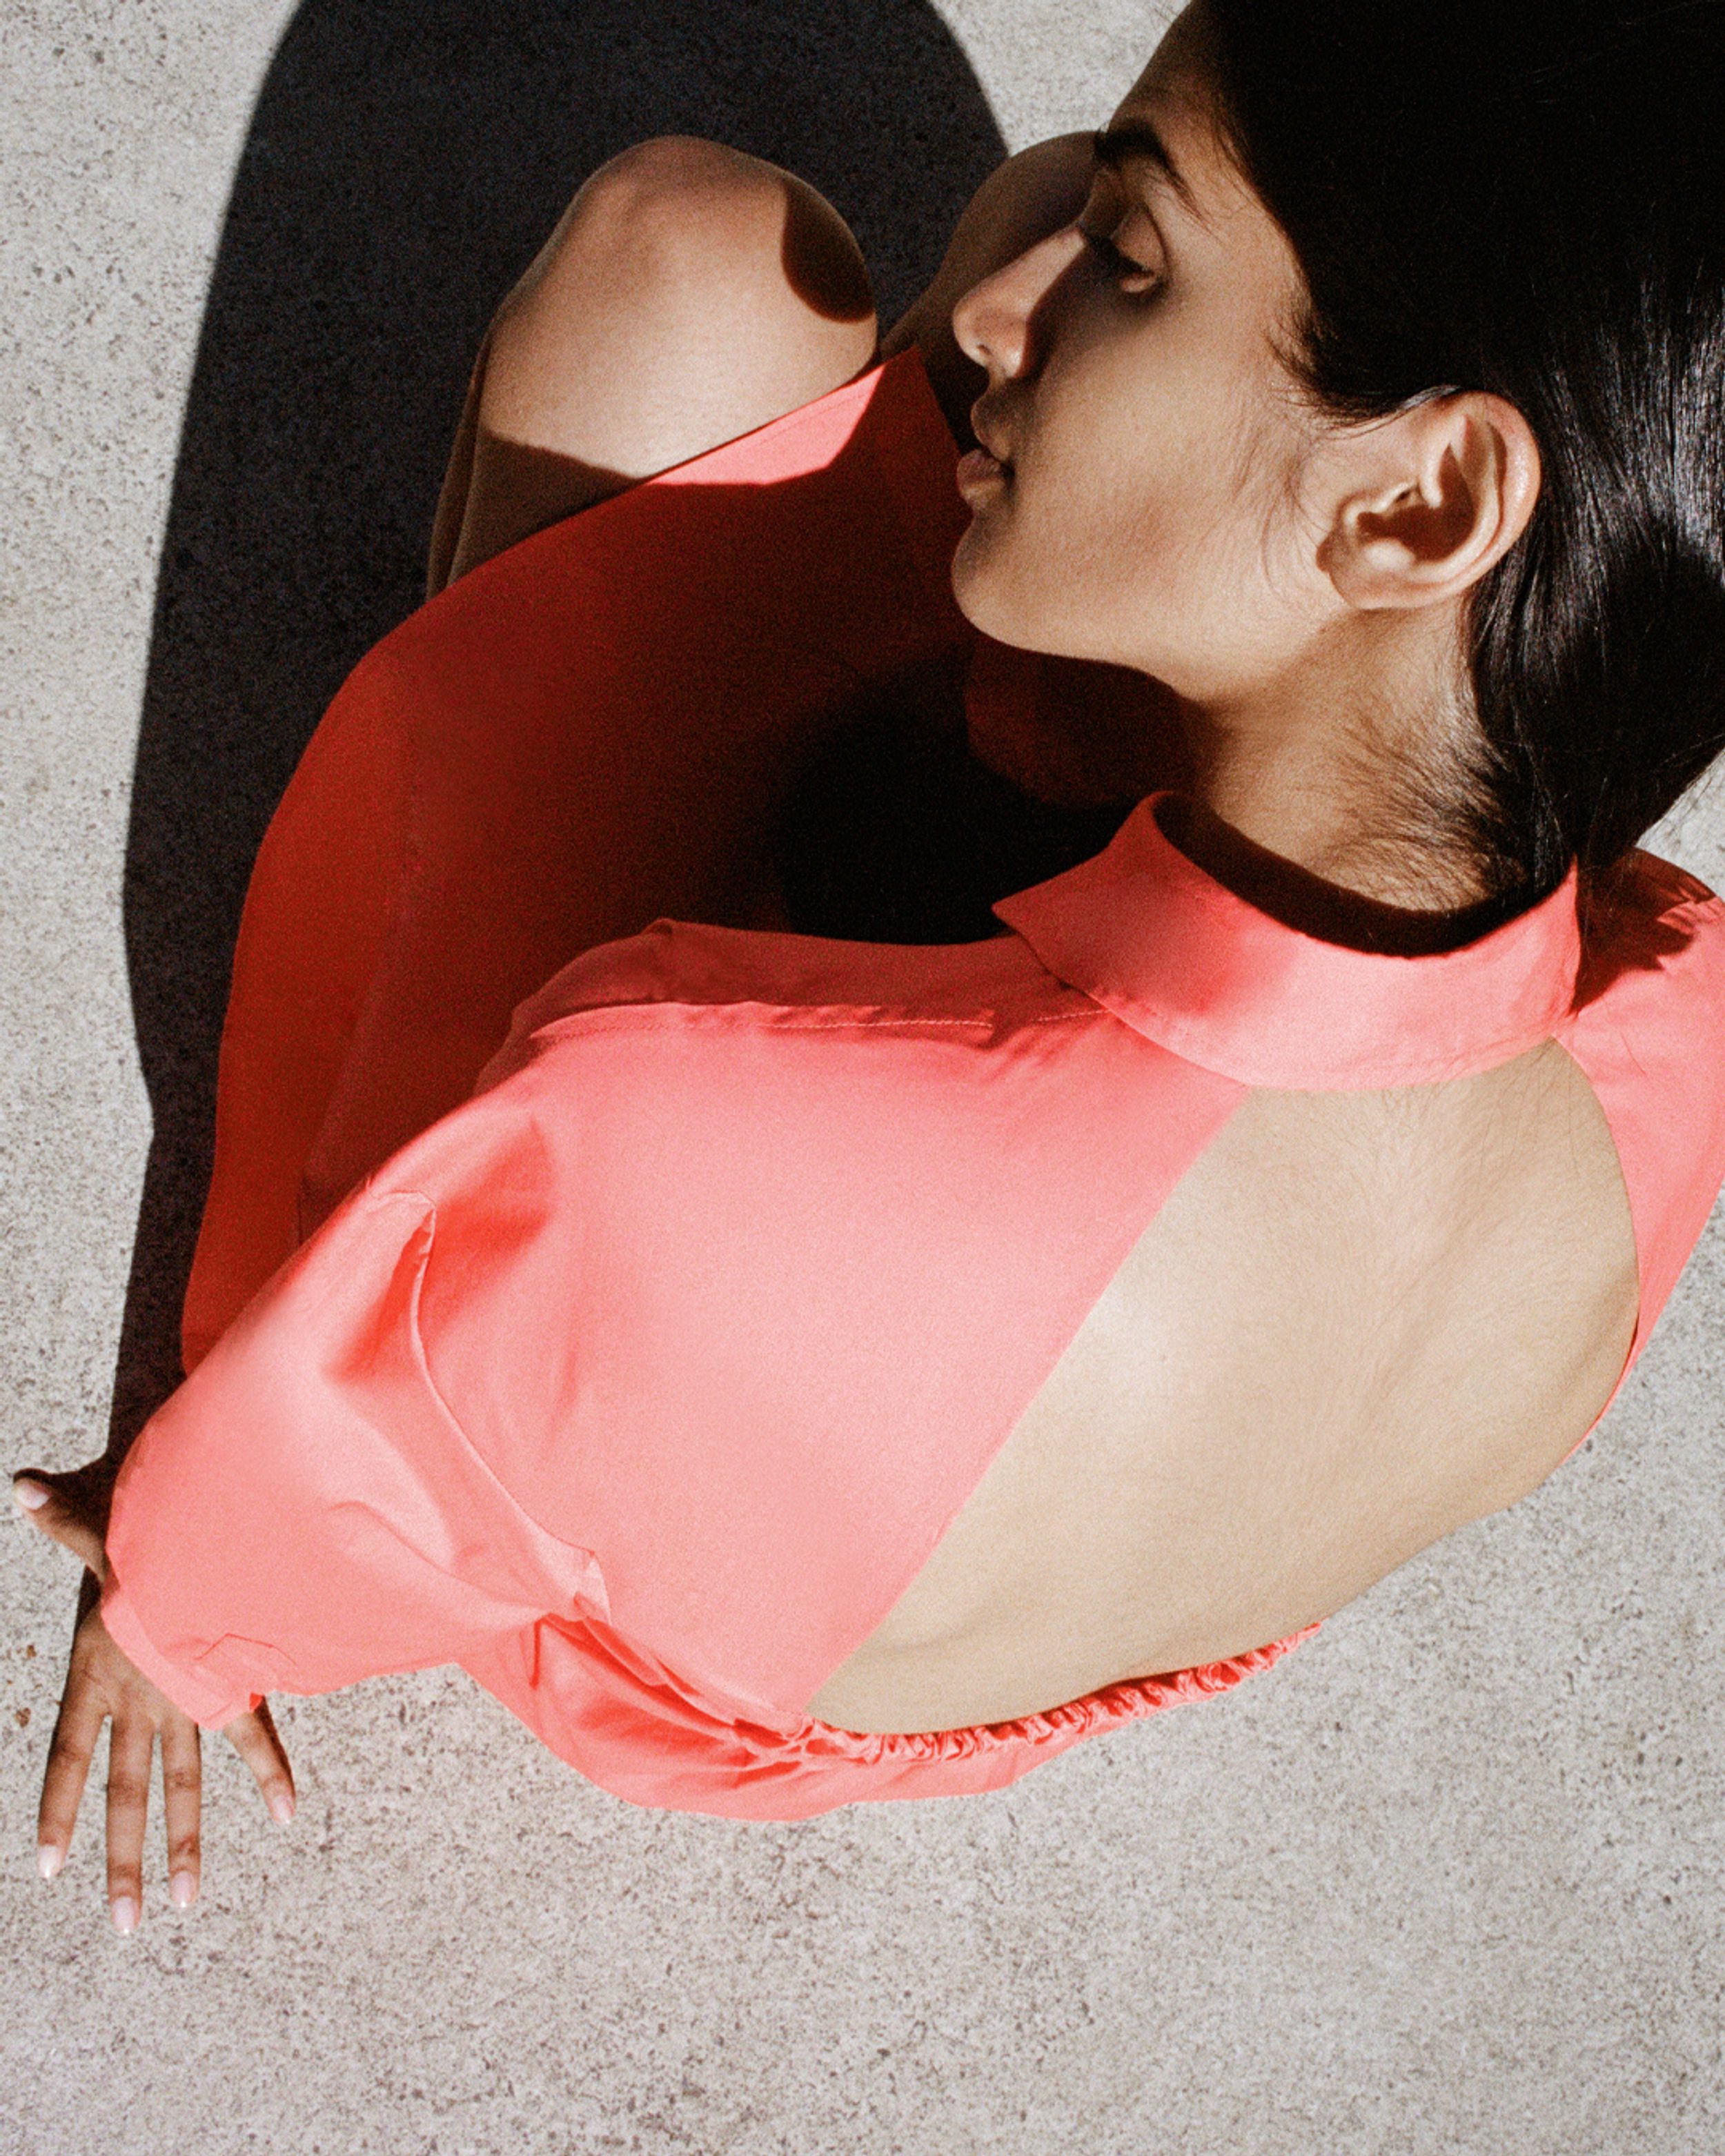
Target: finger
(131, 1741)
(254, 1737)
(88, 1490)
(183, 1801)
(69, 1752)
(46, 1508)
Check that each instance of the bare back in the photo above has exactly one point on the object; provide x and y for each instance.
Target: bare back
(1362, 1319)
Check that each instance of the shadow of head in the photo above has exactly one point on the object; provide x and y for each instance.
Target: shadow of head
(405, 160)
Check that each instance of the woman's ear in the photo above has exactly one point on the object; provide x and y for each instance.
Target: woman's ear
(1445, 489)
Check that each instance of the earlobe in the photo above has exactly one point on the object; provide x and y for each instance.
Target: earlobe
(1462, 479)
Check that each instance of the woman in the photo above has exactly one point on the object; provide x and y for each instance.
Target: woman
(811, 1369)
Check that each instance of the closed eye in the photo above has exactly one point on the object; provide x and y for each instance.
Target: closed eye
(1119, 265)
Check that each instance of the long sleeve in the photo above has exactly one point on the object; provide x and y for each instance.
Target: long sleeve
(305, 1512)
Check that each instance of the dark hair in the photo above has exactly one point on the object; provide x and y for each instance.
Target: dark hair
(1527, 196)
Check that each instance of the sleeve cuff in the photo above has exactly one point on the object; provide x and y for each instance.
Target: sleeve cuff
(209, 1703)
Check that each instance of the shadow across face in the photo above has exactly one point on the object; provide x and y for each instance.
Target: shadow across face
(405, 161)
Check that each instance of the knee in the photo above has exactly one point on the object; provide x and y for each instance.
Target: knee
(657, 190)
(678, 217)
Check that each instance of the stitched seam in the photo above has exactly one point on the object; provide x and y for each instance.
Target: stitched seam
(423, 1361)
(885, 1023)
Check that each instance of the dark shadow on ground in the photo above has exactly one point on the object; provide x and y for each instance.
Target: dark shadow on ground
(405, 161)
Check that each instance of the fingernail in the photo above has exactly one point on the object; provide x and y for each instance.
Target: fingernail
(49, 1860)
(30, 1494)
(125, 1914)
(281, 1807)
(182, 1889)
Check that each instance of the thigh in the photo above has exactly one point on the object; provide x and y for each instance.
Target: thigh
(689, 295)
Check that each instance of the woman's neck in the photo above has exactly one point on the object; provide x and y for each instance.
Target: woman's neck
(1327, 793)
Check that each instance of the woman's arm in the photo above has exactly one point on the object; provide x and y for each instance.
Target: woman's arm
(102, 1684)
(303, 1512)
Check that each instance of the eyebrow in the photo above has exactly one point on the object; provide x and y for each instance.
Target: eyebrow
(1128, 139)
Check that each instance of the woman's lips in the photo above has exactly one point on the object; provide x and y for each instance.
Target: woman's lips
(977, 471)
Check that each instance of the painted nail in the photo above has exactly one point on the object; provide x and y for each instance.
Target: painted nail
(182, 1889)
(281, 1807)
(125, 1914)
(30, 1494)
(49, 1860)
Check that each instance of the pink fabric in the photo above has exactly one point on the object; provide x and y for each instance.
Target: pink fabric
(643, 1384)
(1184, 962)
(588, 730)
(1648, 1029)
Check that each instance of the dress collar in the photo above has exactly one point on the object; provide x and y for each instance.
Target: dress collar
(1188, 963)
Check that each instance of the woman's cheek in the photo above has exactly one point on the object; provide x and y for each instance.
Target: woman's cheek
(1056, 562)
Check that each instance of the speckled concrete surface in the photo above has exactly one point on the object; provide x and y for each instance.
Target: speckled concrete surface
(1450, 1879)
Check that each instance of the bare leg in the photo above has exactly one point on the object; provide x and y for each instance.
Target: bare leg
(688, 295)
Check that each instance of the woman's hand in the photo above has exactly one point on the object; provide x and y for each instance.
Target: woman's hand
(101, 1684)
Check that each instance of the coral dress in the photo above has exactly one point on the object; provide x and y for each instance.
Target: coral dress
(642, 1380)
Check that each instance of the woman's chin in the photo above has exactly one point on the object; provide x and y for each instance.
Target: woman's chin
(982, 592)
(974, 586)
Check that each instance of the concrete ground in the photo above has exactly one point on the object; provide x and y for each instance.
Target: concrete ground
(1449, 1879)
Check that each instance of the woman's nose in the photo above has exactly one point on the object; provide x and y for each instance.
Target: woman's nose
(999, 323)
